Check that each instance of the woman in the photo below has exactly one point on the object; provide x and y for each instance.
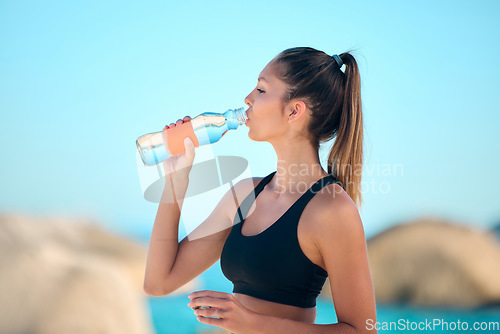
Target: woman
(294, 227)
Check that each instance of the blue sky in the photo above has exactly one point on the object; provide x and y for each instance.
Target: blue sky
(80, 81)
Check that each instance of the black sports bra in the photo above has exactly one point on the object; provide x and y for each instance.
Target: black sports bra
(271, 264)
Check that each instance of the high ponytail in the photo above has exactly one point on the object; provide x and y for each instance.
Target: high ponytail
(334, 98)
(345, 160)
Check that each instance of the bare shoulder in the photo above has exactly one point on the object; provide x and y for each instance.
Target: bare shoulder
(335, 215)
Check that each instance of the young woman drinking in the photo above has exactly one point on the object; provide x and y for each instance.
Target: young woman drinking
(296, 226)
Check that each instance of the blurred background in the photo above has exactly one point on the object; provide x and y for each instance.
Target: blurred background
(81, 81)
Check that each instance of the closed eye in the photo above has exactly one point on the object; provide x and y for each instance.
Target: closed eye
(260, 90)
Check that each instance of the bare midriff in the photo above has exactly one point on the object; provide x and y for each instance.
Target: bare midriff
(307, 315)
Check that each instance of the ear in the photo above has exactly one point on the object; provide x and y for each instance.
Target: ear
(296, 109)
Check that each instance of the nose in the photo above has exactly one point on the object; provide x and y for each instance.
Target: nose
(248, 100)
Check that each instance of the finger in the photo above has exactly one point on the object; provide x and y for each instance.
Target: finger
(219, 322)
(179, 122)
(213, 302)
(212, 312)
(188, 143)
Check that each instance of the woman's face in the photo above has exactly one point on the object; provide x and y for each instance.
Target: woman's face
(267, 117)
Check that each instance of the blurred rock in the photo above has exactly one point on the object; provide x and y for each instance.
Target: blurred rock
(435, 262)
(60, 275)
(431, 262)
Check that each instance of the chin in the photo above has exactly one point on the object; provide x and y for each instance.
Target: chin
(253, 138)
(260, 136)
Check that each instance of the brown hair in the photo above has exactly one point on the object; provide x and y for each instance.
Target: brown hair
(334, 98)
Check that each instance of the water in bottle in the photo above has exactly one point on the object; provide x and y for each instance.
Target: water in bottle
(206, 128)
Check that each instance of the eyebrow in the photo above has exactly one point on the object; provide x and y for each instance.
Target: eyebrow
(261, 78)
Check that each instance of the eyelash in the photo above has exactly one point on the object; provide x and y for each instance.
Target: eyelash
(260, 90)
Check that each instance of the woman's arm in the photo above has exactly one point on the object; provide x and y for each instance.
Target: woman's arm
(163, 244)
(171, 264)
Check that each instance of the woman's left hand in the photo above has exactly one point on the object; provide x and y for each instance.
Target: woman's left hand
(229, 313)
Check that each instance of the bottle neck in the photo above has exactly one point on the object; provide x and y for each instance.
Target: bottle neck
(237, 115)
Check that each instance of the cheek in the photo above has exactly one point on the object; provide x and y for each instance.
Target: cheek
(265, 126)
(266, 105)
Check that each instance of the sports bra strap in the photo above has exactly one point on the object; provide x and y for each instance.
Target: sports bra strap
(302, 201)
(263, 183)
(247, 202)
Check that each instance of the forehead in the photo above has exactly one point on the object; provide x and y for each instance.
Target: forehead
(268, 74)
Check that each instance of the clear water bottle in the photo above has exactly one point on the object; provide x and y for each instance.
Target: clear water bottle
(206, 128)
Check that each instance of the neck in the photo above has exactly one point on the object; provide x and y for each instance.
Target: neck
(297, 169)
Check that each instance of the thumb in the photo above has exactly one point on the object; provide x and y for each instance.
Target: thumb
(189, 146)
